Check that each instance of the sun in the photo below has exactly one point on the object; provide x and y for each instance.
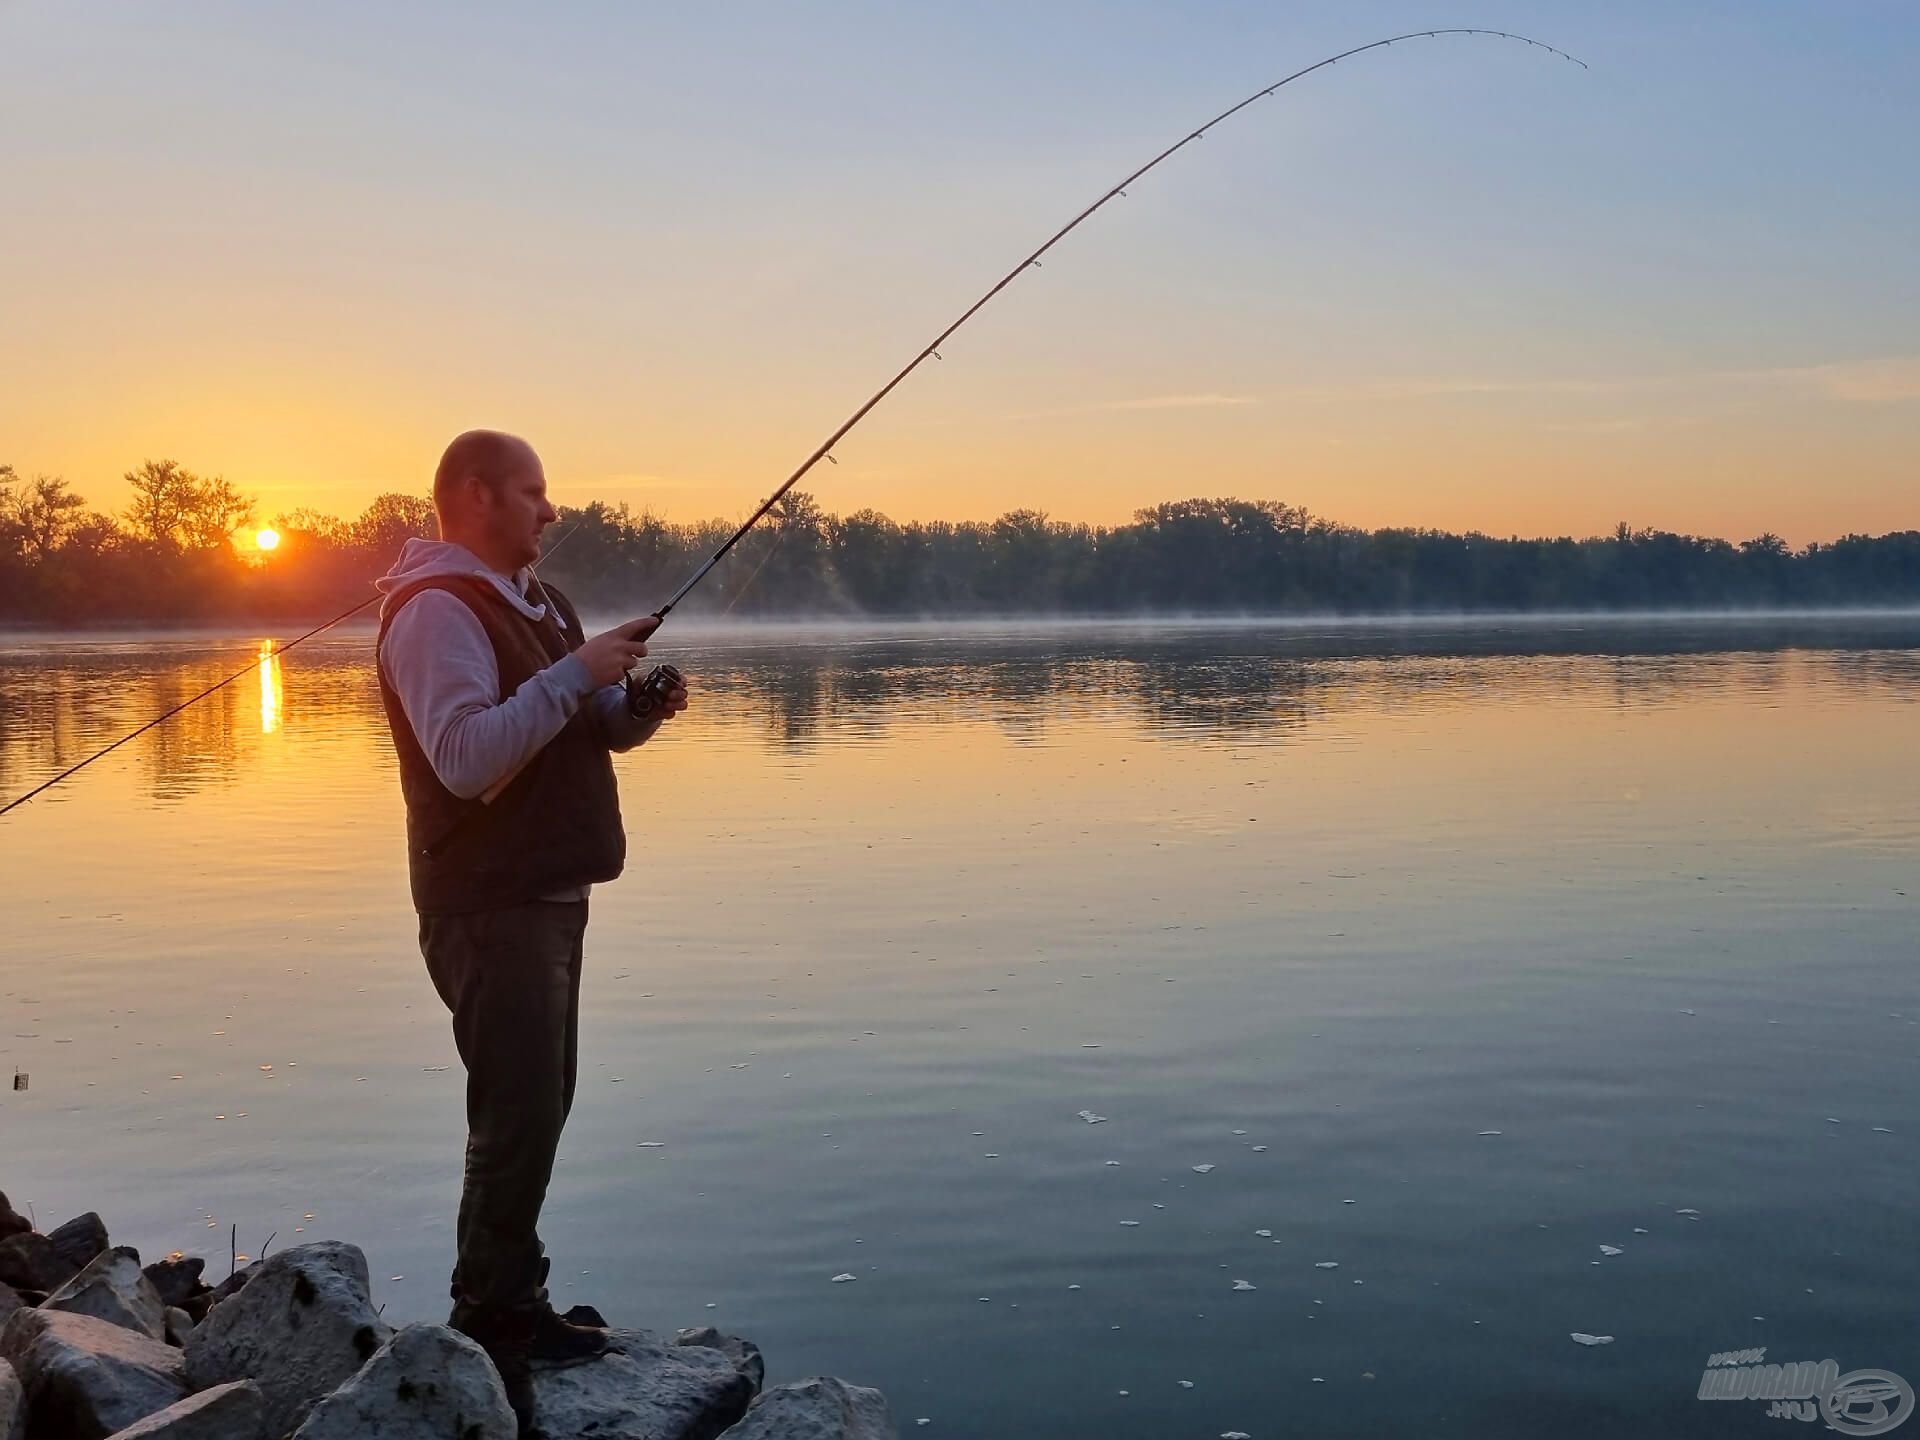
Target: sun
(266, 539)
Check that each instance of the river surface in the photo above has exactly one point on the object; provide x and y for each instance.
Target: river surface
(1407, 965)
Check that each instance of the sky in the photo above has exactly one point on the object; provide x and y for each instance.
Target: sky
(1455, 283)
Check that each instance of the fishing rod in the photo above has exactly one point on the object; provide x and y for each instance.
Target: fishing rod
(932, 348)
(652, 690)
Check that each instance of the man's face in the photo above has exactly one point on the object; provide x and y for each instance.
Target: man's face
(516, 512)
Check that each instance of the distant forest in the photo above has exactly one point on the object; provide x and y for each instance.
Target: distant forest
(183, 551)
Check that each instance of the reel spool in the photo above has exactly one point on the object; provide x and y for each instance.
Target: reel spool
(648, 694)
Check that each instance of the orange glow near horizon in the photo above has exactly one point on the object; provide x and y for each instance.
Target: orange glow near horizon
(1521, 462)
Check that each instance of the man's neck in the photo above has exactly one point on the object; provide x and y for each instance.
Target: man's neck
(509, 573)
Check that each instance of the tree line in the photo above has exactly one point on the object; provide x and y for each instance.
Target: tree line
(182, 551)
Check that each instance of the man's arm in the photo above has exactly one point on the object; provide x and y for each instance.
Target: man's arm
(438, 659)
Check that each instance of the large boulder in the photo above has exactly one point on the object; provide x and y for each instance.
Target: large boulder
(79, 1240)
(426, 1383)
(86, 1378)
(822, 1408)
(12, 1222)
(303, 1324)
(202, 1299)
(231, 1286)
(176, 1278)
(28, 1261)
(226, 1412)
(644, 1388)
(744, 1354)
(112, 1288)
(13, 1404)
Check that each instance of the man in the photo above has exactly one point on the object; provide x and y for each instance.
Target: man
(503, 714)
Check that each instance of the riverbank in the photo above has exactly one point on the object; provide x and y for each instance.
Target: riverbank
(93, 1345)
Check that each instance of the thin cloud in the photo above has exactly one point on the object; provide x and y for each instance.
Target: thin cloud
(642, 482)
(1887, 380)
(1204, 401)
(1623, 424)
(1871, 382)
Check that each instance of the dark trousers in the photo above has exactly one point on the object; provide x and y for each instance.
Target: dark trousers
(511, 977)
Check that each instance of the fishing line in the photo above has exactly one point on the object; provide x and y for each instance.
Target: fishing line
(931, 350)
(218, 685)
(779, 536)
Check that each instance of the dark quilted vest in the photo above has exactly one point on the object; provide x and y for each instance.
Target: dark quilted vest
(557, 823)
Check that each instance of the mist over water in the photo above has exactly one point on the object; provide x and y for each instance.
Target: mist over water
(1316, 904)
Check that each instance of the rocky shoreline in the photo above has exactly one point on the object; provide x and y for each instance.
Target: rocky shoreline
(96, 1346)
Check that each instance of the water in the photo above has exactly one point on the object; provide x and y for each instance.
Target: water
(1314, 906)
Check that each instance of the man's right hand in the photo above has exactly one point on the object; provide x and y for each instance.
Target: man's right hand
(609, 655)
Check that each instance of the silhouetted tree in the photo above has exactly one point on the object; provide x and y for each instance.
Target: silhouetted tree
(42, 512)
(386, 524)
(175, 509)
(170, 560)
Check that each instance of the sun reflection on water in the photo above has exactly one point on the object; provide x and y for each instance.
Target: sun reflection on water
(272, 691)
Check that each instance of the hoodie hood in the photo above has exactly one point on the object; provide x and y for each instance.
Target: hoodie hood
(422, 559)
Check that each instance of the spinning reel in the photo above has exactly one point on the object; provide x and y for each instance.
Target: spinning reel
(647, 695)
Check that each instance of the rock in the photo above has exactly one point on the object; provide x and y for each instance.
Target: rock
(226, 1412)
(11, 1223)
(179, 1326)
(112, 1288)
(744, 1354)
(822, 1408)
(86, 1378)
(10, 1301)
(426, 1383)
(78, 1241)
(177, 1280)
(643, 1389)
(28, 1261)
(13, 1404)
(302, 1326)
(225, 1290)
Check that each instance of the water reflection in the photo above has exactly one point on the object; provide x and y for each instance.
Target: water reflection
(272, 688)
(1508, 943)
(782, 690)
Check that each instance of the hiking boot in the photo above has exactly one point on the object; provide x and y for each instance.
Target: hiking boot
(533, 1330)
(562, 1340)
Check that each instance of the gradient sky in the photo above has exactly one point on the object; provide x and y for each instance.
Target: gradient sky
(1456, 283)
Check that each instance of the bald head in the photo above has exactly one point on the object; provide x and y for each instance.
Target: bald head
(490, 495)
(488, 456)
